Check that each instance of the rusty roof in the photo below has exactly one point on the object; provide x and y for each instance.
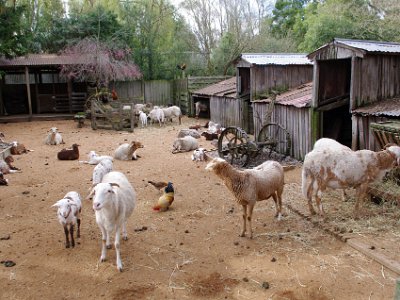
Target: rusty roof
(225, 88)
(298, 97)
(44, 60)
(276, 58)
(389, 107)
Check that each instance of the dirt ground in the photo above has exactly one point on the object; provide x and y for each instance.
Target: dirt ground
(192, 251)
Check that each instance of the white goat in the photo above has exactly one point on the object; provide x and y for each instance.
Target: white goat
(143, 118)
(200, 106)
(68, 213)
(53, 137)
(251, 185)
(192, 132)
(157, 115)
(114, 200)
(341, 169)
(184, 144)
(101, 169)
(127, 151)
(172, 112)
(199, 154)
(94, 158)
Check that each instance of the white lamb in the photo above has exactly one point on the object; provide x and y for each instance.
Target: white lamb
(172, 112)
(104, 167)
(94, 158)
(127, 151)
(114, 200)
(199, 154)
(157, 115)
(68, 213)
(185, 144)
(143, 118)
(251, 185)
(53, 137)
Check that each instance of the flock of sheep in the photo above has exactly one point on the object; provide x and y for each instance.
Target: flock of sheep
(328, 165)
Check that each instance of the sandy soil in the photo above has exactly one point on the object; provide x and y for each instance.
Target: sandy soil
(192, 251)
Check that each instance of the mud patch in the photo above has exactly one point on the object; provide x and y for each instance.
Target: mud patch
(212, 285)
(136, 292)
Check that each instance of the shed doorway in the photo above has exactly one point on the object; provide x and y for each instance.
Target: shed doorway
(337, 125)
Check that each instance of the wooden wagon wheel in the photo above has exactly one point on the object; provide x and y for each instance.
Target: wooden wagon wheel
(274, 137)
(232, 146)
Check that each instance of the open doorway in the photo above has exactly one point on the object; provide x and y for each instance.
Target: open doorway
(337, 125)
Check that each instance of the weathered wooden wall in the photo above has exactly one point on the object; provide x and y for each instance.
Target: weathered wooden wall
(227, 111)
(363, 137)
(297, 121)
(264, 78)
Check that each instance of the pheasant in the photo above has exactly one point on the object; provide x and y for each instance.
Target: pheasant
(165, 201)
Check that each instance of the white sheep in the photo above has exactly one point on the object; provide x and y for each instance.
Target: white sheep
(94, 158)
(53, 137)
(184, 144)
(341, 169)
(143, 118)
(101, 169)
(200, 106)
(127, 151)
(172, 112)
(192, 132)
(199, 154)
(114, 200)
(68, 213)
(251, 185)
(157, 115)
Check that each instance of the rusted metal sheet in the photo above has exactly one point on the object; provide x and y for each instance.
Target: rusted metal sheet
(390, 107)
(46, 60)
(223, 88)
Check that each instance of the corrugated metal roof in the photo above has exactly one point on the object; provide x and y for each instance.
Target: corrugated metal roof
(225, 88)
(276, 59)
(44, 60)
(390, 107)
(370, 46)
(298, 97)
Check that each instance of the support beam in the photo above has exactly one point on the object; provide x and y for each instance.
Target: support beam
(28, 91)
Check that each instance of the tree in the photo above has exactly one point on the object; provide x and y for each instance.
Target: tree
(284, 16)
(99, 62)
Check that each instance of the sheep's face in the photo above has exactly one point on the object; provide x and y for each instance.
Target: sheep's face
(64, 207)
(396, 151)
(214, 163)
(136, 145)
(101, 193)
(92, 154)
(53, 130)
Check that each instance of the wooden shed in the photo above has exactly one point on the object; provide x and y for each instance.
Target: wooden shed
(349, 75)
(292, 110)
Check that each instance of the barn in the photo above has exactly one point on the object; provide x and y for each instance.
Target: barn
(356, 83)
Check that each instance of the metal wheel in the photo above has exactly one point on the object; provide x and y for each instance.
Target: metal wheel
(274, 137)
(232, 146)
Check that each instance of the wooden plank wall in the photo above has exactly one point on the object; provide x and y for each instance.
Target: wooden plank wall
(226, 111)
(297, 121)
(363, 137)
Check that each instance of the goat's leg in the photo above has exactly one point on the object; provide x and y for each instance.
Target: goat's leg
(309, 197)
(66, 236)
(104, 238)
(318, 200)
(249, 216)
(124, 232)
(361, 192)
(117, 250)
(278, 205)
(71, 232)
(244, 220)
(78, 231)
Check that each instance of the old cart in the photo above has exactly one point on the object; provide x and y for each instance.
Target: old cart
(235, 146)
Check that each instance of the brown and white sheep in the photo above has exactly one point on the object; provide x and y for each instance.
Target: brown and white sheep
(18, 148)
(251, 185)
(69, 153)
(6, 166)
(3, 181)
(127, 151)
(341, 169)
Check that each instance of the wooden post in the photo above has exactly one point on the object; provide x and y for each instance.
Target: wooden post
(28, 90)
(397, 293)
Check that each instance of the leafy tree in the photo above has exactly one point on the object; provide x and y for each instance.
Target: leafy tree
(284, 16)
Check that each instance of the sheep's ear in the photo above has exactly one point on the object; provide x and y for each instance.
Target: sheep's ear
(57, 204)
(88, 197)
(114, 184)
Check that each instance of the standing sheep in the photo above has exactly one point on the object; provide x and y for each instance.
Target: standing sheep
(143, 118)
(114, 200)
(171, 112)
(157, 115)
(127, 151)
(53, 137)
(185, 144)
(68, 213)
(251, 185)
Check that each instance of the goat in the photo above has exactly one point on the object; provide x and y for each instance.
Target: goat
(199, 154)
(341, 169)
(114, 200)
(185, 132)
(53, 137)
(200, 106)
(68, 213)
(127, 151)
(251, 185)
(143, 118)
(94, 158)
(69, 153)
(171, 112)
(17, 148)
(210, 135)
(184, 144)
(157, 115)
(101, 169)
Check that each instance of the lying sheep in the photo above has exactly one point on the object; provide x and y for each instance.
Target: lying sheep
(114, 200)
(69, 153)
(68, 213)
(185, 132)
(143, 118)
(341, 169)
(157, 115)
(199, 154)
(94, 158)
(251, 185)
(104, 167)
(2, 137)
(184, 144)
(53, 137)
(18, 148)
(210, 135)
(172, 112)
(127, 151)
(6, 166)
